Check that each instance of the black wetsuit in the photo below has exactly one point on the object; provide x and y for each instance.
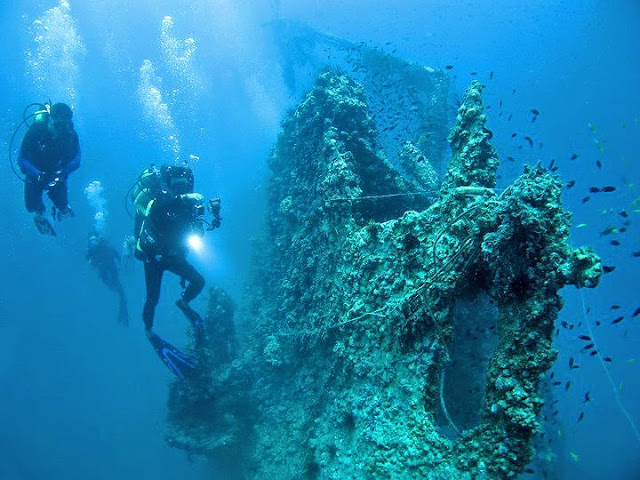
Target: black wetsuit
(105, 259)
(43, 153)
(168, 222)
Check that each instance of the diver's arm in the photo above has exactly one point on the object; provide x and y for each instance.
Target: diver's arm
(28, 168)
(194, 198)
(74, 163)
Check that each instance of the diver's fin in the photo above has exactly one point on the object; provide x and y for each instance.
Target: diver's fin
(176, 361)
(195, 319)
(43, 225)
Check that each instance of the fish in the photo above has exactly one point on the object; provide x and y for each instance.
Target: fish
(510, 117)
(608, 189)
(607, 359)
(564, 324)
(608, 231)
(587, 397)
(586, 338)
(448, 67)
(567, 385)
(511, 159)
(598, 164)
(514, 134)
(586, 199)
(597, 323)
(552, 163)
(490, 75)
(570, 183)
(582, 225)
(473, 73)
(593, 352)
(617, 320)
(608, 268)
(556, 383)
(624, 214)
(574, 456)
(615, 307)
(534, 111)
(574, 156)
(500, 103)
(530, 140)
(587, 347)
(636, 254)
(594, 190)
(635, 313)
(572, 364)
(615, 243)
(580, 417)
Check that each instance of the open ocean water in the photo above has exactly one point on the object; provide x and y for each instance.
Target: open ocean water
(154, 81)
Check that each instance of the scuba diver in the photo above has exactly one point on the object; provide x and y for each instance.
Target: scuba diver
(172, 214)
(50, 152)
(105, 258)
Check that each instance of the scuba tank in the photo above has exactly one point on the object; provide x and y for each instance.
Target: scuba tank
(146, 188)
(40, 115)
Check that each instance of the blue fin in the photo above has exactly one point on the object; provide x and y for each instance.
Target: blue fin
(176, 361)
(43, 226)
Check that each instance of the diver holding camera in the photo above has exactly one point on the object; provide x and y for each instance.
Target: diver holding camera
(173, 212)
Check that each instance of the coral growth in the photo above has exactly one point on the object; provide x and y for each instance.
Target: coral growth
(354, 309)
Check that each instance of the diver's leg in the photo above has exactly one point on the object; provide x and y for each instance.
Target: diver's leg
(33, 197)
(186, 271)
(123, 310)
(153, 278)
(109, 276)
(59, 197)
(33, 202)
(111, 279)
(182, 268)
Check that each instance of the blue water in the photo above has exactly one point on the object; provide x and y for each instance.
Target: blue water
(82, 397)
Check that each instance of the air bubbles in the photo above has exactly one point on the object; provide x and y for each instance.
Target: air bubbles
(53, 60)
(156, 111)
(94, 193)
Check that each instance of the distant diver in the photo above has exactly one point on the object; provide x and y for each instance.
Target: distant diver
(168, 212)
(102, 256)
(50, 152)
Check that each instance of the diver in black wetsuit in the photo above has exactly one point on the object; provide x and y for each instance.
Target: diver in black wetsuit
(105, 258)
(174, 214)
(50, 151)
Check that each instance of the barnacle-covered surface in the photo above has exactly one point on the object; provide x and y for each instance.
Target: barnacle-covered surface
(361, 302)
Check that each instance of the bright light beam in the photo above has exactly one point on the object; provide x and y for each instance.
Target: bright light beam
(196, 243)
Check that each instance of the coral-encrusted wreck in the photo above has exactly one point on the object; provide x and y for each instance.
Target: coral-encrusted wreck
(355, 362)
